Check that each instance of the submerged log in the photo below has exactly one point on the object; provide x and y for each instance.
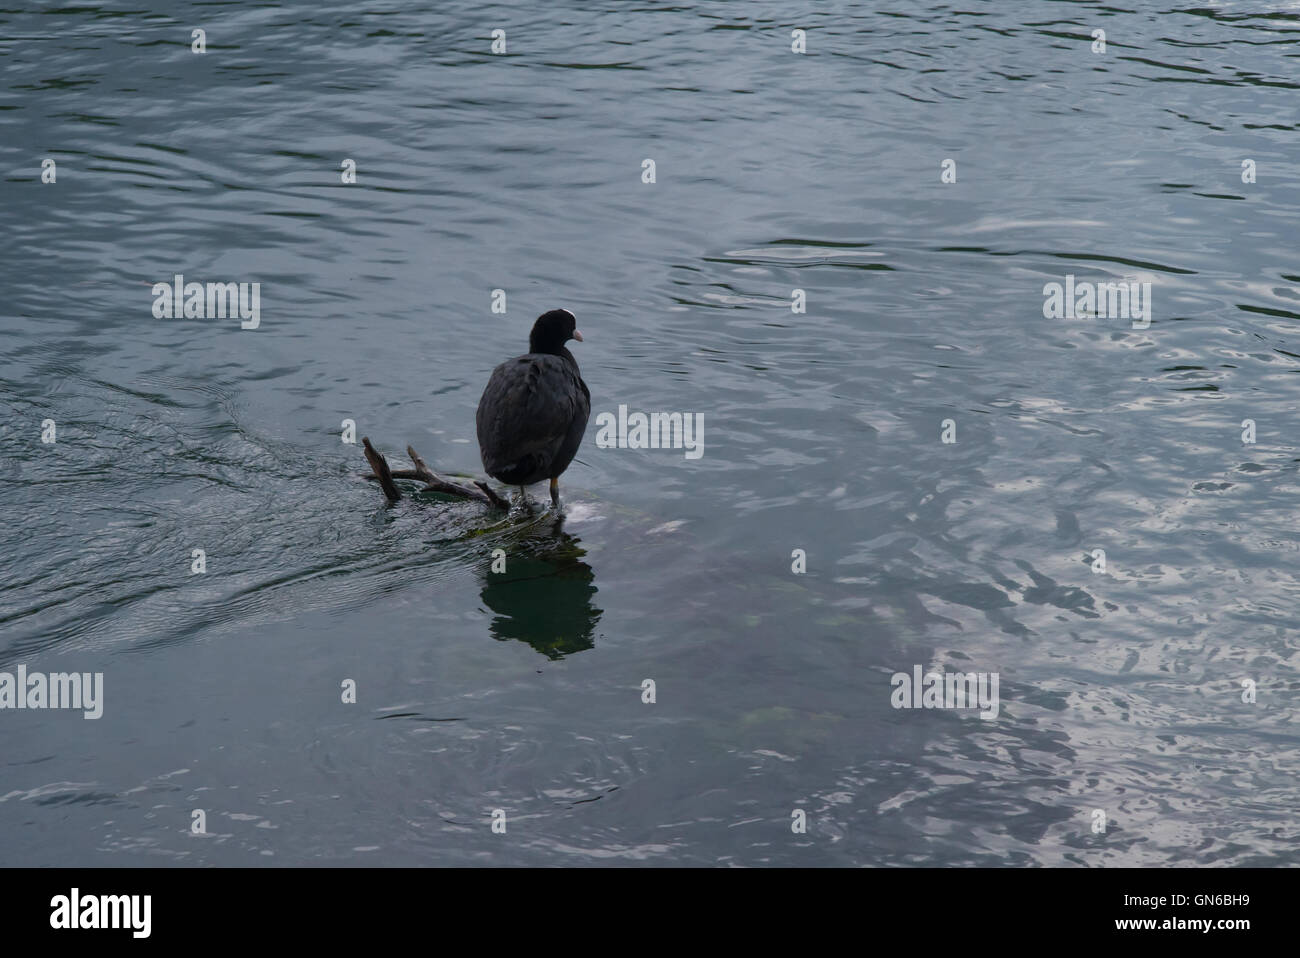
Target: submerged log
(432, 481)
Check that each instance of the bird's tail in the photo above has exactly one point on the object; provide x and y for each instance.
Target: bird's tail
(522, 470)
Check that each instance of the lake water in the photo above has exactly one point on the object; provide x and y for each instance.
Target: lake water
(1121, 687)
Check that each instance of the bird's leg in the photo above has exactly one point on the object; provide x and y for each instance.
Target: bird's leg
(555, 492)
(523, 495)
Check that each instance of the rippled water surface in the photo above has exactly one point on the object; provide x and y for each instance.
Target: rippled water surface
(1120, 690)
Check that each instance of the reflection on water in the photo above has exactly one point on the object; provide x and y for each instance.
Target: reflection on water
(544, 594)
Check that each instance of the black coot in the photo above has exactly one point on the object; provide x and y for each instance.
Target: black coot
(535, 407)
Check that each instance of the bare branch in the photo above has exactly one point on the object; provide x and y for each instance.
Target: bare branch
(496, 500)
(438, 484)
(432, 481)
(380, 465)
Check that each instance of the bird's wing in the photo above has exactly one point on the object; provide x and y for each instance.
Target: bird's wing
(535, 402)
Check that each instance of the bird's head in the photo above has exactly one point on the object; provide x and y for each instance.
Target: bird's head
(552, 330)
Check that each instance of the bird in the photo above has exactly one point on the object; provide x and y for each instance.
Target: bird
(534, 409)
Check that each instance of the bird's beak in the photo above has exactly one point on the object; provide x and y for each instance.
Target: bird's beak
(577, 335)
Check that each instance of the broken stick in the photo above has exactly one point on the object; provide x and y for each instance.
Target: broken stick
(380, 465)
(433, 482)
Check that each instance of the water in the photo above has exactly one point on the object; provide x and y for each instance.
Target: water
(1120, 690)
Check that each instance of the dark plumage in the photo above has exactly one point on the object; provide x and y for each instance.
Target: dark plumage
(534, 409)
